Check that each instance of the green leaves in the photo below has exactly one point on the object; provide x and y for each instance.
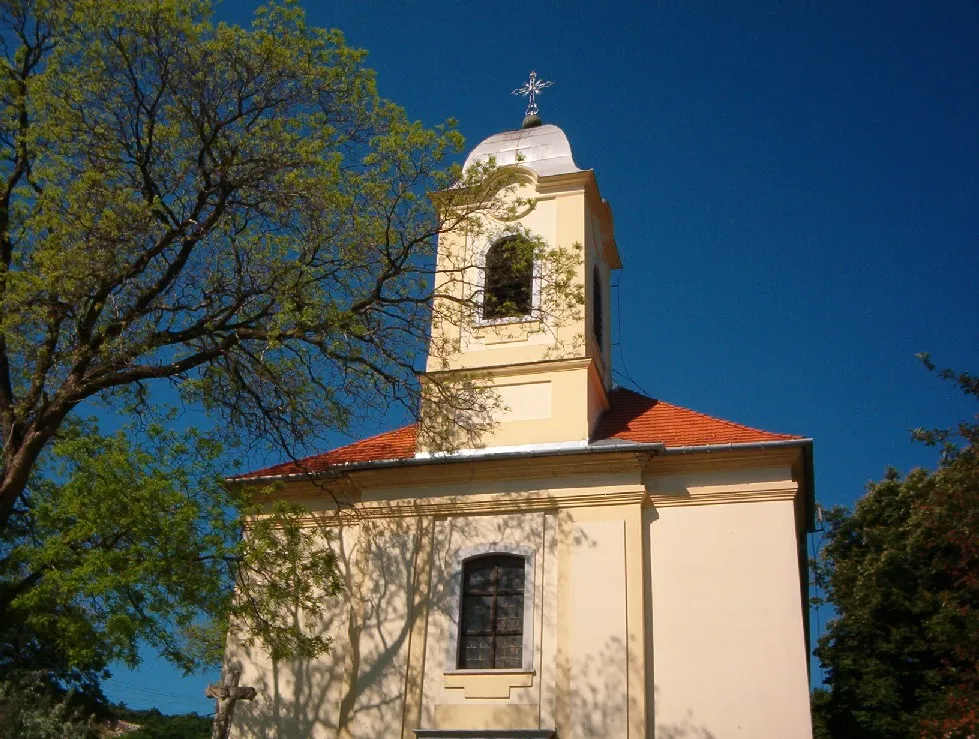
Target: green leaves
(900, 570)
(236, 211)
(273, 601)
(33, 708)
(124, 539)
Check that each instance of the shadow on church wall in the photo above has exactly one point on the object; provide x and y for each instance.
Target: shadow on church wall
(359, 688)
(379, 557)
(371, 625)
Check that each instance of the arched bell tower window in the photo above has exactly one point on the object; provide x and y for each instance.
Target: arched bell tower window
(508, 284)
(598, 306)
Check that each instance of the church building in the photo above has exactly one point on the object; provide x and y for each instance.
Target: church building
(600, 564)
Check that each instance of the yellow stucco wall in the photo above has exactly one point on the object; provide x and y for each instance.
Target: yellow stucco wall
(665, 599)
(559, 219)
(298, 698)
(729, 655)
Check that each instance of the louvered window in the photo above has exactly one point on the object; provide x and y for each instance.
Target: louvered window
(492, 616)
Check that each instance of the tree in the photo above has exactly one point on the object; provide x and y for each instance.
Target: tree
(126, 542)
(232, 220)
(902, 572)
(154, 725)
(234, 211)
(31, 707)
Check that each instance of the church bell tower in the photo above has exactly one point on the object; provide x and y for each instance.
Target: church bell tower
(537, 330)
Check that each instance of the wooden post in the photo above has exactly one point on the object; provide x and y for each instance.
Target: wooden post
(226, 694)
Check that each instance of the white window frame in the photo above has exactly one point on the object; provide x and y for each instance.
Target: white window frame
(535, 289)
(462, 556)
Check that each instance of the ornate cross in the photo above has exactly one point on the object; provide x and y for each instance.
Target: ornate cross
(530, 89)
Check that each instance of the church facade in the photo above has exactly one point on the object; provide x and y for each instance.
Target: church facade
(601, 564)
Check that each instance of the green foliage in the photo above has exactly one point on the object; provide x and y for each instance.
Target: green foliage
(32, 707)
(238, 214)
(902, 572)
(129, 538)
(235, 211)
(819, 704)
(155, 725)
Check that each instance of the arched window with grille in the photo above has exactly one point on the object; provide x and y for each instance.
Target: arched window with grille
(491, 619)
(598, 306)
(508, 279)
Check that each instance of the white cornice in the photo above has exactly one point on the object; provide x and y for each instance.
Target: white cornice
(514, 449)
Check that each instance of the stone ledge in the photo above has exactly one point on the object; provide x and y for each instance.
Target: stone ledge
(484, 733)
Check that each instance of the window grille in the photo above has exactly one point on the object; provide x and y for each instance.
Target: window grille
(491, 618)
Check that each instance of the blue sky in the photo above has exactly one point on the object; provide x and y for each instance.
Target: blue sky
(795, 188)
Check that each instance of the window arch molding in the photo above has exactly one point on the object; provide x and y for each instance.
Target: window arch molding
(522, 289)
(467, 554)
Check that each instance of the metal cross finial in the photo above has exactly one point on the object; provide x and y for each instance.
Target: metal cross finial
(530, 89)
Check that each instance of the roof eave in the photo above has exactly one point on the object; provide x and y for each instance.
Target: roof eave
(804, 444)
(653, 448)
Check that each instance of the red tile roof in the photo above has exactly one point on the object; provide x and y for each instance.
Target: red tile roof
(634, 417)
(631, 417)
(397, 444)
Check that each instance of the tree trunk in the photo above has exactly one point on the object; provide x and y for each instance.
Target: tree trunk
(17, 471)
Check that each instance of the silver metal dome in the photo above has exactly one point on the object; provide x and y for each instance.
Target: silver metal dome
(544, 149)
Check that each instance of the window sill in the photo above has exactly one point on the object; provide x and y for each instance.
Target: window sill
(506, 320)
(492, 671)
(484, 733)
(518, 329)
(488, 683)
